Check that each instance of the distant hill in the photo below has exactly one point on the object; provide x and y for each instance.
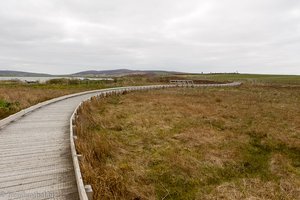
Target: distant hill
(121, 72)
(92, 73)
(21, 74)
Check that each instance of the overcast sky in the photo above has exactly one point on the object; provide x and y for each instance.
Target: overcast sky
(65, 36)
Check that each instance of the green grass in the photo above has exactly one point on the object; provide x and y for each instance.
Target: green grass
(250, 78)
(4, 104)
(8, 108)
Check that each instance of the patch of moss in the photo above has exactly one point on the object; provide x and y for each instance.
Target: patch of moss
(8, 108)
(4, 104)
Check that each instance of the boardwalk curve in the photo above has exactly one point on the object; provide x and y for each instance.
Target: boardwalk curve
(37, 154)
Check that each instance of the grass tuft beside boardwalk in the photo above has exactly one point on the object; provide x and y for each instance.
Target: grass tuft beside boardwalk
(193, 143)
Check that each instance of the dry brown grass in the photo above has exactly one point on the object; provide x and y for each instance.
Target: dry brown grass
(212, 143)
(17, 98)
(15, 95)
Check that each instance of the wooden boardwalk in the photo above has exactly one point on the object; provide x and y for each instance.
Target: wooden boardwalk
(35, 153)
(35, 156)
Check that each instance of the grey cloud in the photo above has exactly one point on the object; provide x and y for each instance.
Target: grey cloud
(257, 36)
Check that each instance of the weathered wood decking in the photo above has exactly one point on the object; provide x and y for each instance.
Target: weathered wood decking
(35, 156)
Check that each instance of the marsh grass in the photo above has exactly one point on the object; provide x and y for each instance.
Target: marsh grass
(13, 99)
(212, 143)
(15, 96)
(256, 79)
(19, 95)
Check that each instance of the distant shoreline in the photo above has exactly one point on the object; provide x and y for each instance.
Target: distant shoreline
(43, 79)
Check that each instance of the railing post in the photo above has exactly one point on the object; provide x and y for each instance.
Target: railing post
(74, 130)
(89, 191)
(79, 157)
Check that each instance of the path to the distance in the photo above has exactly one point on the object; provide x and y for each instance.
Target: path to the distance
(35, 155)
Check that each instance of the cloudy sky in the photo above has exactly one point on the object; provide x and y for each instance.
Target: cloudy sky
(65, 36)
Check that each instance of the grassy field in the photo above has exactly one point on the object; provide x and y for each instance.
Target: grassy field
(15, 96)
(215, 143)
(256, 79)
(193, 143)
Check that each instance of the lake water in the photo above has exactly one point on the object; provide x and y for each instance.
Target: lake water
(44, 79)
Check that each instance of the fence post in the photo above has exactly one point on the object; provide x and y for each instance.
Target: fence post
(89, 191)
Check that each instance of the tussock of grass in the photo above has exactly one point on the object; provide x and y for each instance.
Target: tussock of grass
(185, 144)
